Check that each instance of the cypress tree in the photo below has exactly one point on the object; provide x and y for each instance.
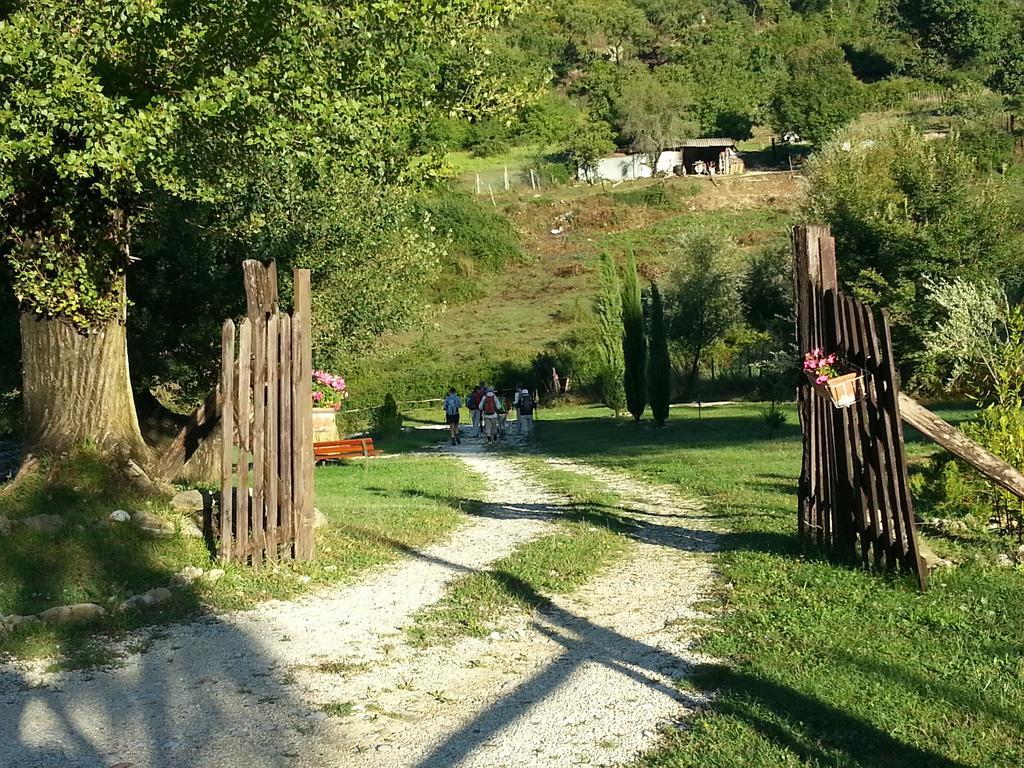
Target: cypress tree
(659, 367)
(609, 316)
(634, 341)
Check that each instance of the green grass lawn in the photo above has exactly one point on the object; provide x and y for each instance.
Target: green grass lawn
(372, 515)
(821, 664)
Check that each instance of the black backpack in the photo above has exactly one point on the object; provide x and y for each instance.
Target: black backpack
(526, 404)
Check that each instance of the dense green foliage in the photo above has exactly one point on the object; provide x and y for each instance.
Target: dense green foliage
(901, 207)
(191, 137)
(659, 364)
(634, 341)
(702, 298)
(819, 95)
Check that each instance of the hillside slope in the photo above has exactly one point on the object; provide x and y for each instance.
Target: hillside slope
(534, 304)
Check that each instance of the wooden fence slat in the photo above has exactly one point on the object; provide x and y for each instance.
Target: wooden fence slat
(303, 423)
(270, 455)
(915, 562)
(259, 446)
(876, 446)
(285, 444)
(244, 430)
(227, 493)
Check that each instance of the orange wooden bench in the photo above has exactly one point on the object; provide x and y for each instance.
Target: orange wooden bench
(358, 448)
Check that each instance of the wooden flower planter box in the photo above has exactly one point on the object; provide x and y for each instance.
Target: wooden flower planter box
(843, 390)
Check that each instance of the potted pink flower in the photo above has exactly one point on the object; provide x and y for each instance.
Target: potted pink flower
(824, 374)
(329, 392)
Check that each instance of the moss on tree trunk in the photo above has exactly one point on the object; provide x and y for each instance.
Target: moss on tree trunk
(76, 387)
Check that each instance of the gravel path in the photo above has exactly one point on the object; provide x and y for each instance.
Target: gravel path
(584, 682)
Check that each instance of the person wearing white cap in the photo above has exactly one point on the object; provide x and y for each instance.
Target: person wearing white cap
(524, 406)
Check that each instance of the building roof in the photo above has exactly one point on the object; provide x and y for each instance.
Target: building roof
(711, 142)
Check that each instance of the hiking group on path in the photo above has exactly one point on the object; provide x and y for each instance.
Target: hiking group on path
(489, 412)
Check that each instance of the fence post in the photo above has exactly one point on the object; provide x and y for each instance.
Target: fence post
(302, 352)
(227, 484)
(243, 499)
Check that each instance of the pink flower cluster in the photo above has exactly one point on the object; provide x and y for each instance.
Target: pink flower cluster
(328, 390)
(820, 365)
(330, 380)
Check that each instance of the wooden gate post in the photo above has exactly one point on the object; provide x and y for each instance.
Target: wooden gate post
(853, 483)
(267, 420)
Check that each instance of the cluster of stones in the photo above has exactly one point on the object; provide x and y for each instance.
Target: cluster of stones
(85, 612)
(148, 523)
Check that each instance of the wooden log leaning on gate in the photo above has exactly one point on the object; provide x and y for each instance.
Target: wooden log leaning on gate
(1006, 476)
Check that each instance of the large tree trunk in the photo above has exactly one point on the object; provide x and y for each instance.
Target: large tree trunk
(76, 387)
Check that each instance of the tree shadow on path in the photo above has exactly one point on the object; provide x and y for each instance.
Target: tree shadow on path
(207, 694)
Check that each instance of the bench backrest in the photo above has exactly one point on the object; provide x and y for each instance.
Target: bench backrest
(358, 447)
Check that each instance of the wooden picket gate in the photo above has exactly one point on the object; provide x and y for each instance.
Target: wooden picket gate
(854, 494)
(266, 509)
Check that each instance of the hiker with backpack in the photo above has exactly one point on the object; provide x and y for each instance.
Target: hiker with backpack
(474, 407)
(524, 407)
(506, 406)
(452, 406)
(490, 410)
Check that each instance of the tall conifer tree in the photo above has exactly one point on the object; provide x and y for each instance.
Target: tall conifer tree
(609, 316)
(634, 341)
(659, 367)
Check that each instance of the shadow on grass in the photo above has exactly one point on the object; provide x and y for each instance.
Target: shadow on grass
(813, 730)
(808, 727)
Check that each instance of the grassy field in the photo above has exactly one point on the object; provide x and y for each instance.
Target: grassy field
(371, 515)
(821, 664)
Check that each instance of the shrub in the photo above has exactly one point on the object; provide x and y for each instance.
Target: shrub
(475, 232)
(899, 207)
(608, 308)
(819, 96)
(774, 419)
(387, 420)
(488, 138)
(634, 341)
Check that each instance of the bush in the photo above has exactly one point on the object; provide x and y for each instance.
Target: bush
(476, 233)
(387, 420)
(819, 96)
(991, 146)
(488, 138)
(550, 120)
(774, 419)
